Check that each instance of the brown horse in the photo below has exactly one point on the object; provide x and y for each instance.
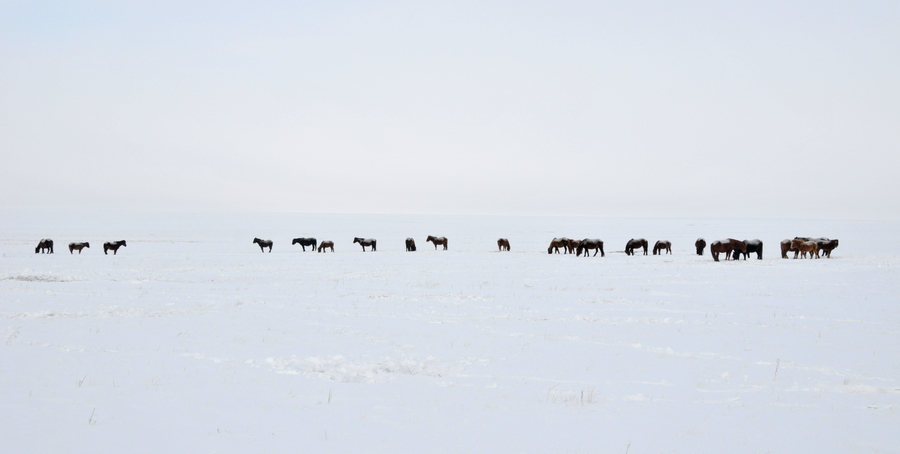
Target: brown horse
(572, 245)
(437, 241)
(410, 245)
(633, 244)
(365, 242)
(804, 246)
(45, 245)
(263, 244)
(555, 244)
(726, 246)
(662, 245)
(78, 247)
(113, 246)
(785, 248)
(326, 244)
(590, 243)
(700, 244)
(503, 243)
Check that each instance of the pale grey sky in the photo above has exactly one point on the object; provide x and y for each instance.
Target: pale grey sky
(625, 108)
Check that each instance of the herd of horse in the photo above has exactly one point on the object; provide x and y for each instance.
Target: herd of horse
(45, 246)
(732, 248)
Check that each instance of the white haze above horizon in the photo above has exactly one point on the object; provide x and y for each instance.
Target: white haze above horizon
(615, 109)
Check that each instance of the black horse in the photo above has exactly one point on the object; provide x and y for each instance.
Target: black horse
(45, 245)
(263, 244)
(752, 246)
(633, 244)
(365, 242)
(700, 244)
(590, 243)
(826, 245)
(410, 245)
(305, 242)
(113, 246)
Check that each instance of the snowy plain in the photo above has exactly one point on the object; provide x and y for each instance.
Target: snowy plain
(191, 340)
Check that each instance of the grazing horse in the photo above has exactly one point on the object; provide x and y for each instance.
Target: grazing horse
(633, 244)
(556, 244)
(113, 246)
(263, 244)
(700, 244)
(826, 246)
(590, 243)
(662, 245)
(572, 245)
(45, 245)
(410, 245)
(326, 244)
(803, 246)
(752, 246)
(503, 243)
(365, 242)
(305, 242)
(78, 247)
(719, 246)
(437, 241)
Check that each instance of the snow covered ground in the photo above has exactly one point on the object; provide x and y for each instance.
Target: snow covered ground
(191, 340)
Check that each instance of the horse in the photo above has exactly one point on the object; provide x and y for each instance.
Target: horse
(436, 241)
(633, 244)
(263, 244)
(752, 246)
(785, 248)
(700, 244)
(503, 243)
(365, 242)
(572, 245)
(719, 246)
(410, 245)
(78, 247)
(826, 246)
(326, 244)
(662, 245)
(566, 242)
(113, 246)
(45, 245)
(805, 246)
(305, 242)
(555, 244)
(793, 248)
(590, 243)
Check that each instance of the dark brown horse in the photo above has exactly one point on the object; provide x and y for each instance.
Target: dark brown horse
(365, 242)
(410, 245)
(113, 246)
(785, 248)
(437, 241)
(263, 244)
(826, 246)
(555, 244)
(804, 247)
(700, 244)
(326, 244)
(305, 242)
(45, 245)
(633, 244)
(78, 247)
(662, 245)
(572, 245)
(503, 243)
(752, 246)
(590, 243)
(726, 246)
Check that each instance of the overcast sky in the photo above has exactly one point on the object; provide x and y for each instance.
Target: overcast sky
(627, 108)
